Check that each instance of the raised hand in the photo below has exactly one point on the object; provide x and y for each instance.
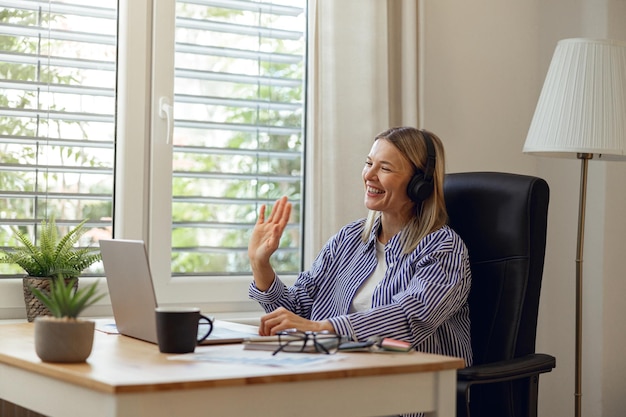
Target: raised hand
(265, 239)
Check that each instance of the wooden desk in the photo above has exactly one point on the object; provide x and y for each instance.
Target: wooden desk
(126, 377)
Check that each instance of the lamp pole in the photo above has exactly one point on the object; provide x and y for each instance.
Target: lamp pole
(584, 159)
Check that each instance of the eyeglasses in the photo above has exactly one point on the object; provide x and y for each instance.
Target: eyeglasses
(294, 340)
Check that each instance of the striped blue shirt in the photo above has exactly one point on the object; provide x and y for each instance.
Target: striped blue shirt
(422, 298)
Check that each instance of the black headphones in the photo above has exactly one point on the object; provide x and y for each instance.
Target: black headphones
(421, 185)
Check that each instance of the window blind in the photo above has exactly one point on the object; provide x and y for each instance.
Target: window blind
(57, 117)
(238, 130)
(238, 137)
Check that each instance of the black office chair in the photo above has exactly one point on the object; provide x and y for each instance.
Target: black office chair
(502, 218)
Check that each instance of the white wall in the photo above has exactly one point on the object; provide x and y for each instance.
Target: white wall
(485, 62)
(480, 83)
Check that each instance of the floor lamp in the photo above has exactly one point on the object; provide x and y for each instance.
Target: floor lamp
(581, 113)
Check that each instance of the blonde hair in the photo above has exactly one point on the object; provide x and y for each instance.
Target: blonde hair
(430, 214)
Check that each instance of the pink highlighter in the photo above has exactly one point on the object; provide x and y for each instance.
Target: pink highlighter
(396, 345)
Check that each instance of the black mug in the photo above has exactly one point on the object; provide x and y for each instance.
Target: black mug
(177, 329)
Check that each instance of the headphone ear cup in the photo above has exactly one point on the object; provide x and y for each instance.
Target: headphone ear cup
(418, 188)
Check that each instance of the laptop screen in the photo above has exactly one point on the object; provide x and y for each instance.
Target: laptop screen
(128, 277)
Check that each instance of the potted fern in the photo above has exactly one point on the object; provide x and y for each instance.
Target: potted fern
(63, 337)
(54, 257)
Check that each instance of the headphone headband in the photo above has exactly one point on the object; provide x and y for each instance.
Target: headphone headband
(431, 156)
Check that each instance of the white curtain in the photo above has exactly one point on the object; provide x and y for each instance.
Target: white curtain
(363, 78)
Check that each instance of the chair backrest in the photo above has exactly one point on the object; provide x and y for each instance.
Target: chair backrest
(502, 218)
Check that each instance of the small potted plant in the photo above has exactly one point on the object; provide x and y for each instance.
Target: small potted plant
(63, 337)
(53, 257)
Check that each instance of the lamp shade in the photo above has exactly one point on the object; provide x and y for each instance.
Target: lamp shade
(582, 106)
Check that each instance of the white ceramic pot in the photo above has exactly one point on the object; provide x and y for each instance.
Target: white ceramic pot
(63, 340)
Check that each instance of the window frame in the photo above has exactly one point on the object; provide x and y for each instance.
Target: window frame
(145, 74)
(143, 187)
(11, 288)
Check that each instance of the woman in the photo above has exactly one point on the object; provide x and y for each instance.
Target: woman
(401, 273)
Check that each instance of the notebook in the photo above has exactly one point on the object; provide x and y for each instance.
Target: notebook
(133, 299)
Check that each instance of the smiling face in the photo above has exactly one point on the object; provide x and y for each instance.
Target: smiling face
(386, 175)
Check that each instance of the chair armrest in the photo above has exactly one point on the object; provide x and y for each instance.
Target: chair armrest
(509, 370)
(516, 368)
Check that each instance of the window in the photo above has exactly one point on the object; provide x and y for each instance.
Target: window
(238, 130)
(234, 141)
(57, 116)
(209, 126)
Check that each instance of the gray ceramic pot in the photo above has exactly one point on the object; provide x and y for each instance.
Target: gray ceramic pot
(62, 340)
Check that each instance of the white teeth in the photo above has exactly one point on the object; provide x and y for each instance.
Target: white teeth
(374, 190)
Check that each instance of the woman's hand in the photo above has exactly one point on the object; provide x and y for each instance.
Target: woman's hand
(266, 233)
(283, 319)
(264, 241)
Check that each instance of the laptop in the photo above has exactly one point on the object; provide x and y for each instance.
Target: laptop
(133, 299)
